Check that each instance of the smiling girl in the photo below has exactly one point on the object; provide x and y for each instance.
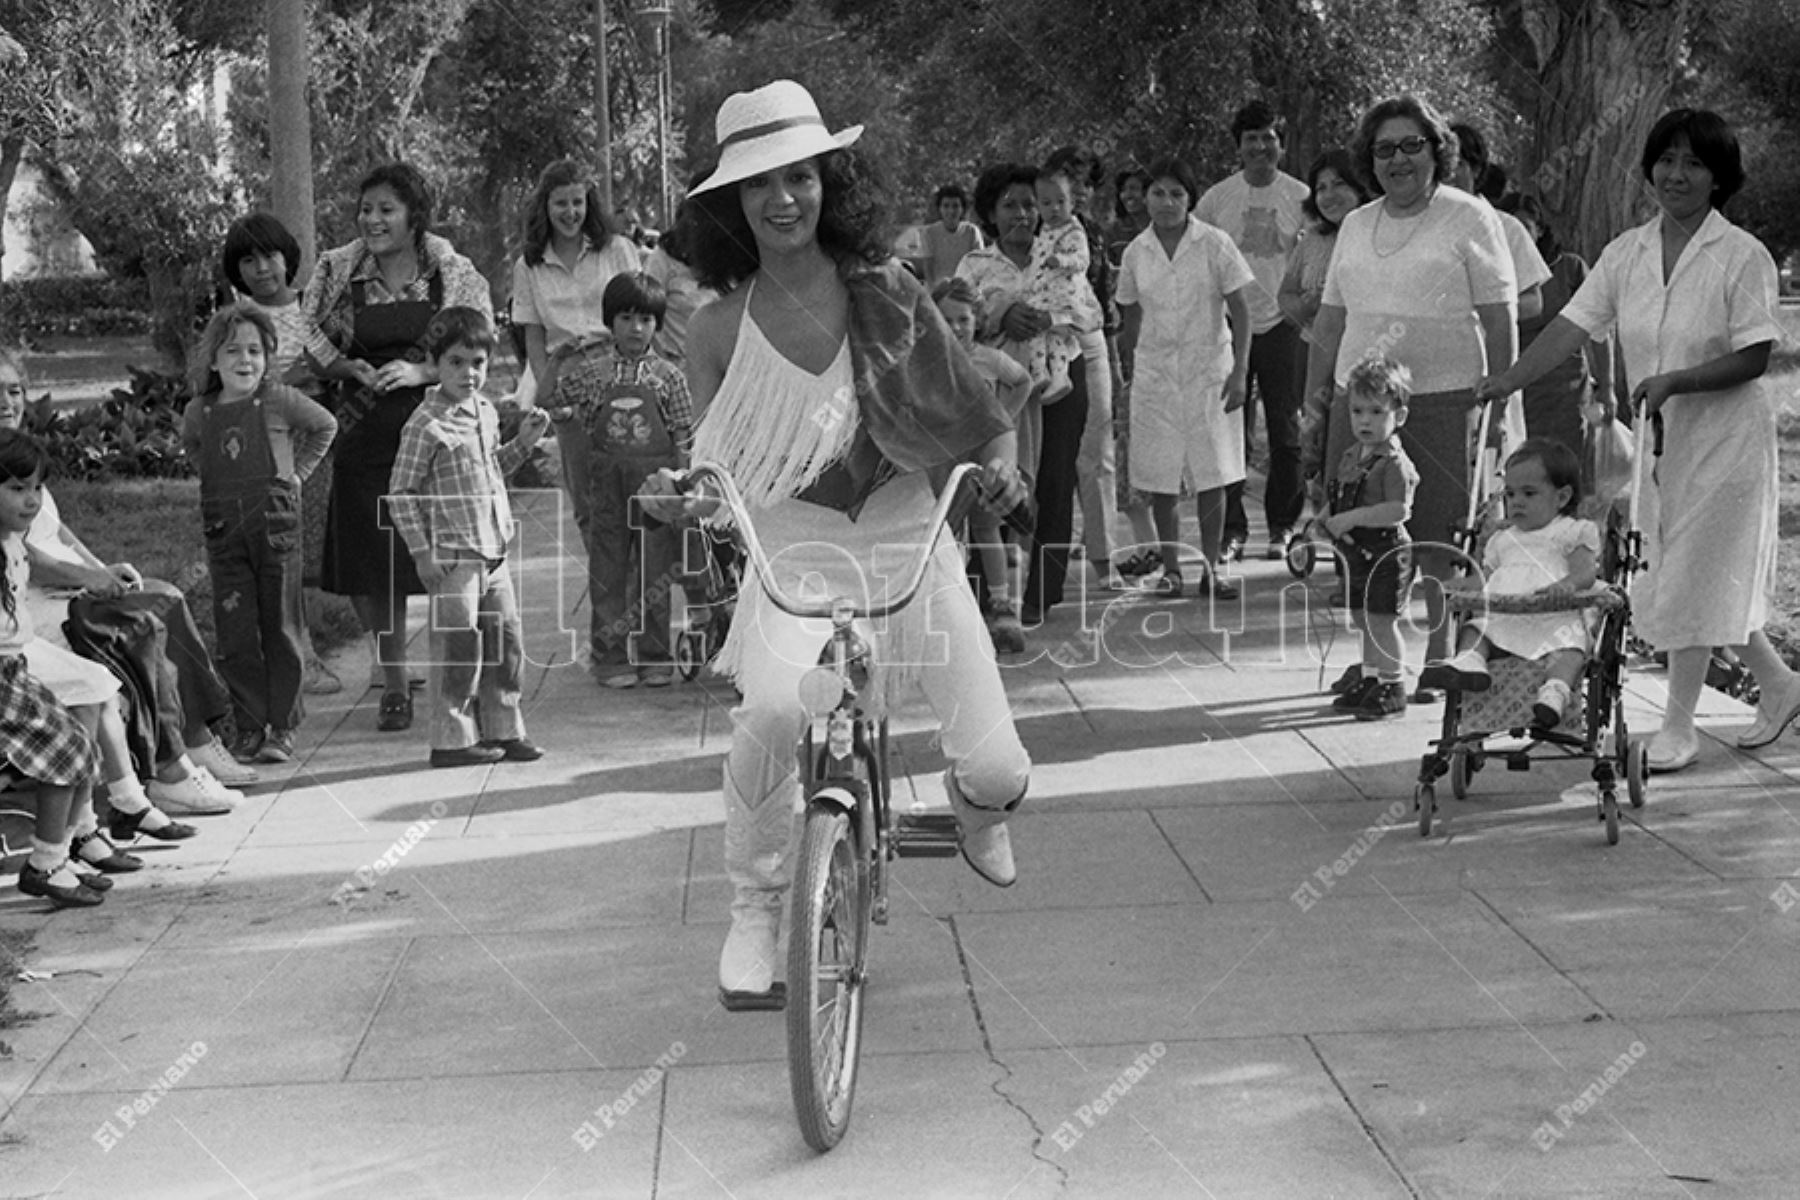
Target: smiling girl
(570, 256)
(253, 441)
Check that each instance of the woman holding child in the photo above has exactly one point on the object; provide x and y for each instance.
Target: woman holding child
(374, 299)
(1693, 299)
(1423, 276)
(816, 318)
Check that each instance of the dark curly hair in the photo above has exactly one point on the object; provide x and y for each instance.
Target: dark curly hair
(1430, 122)
(564, 172)
(852, 222)
(993, 184)
(406, 182)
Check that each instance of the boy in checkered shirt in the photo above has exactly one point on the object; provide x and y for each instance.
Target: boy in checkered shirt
(448, 501)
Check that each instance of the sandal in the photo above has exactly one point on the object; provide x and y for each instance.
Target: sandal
(396, 712)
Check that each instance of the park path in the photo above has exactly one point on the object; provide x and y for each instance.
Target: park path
(1231, 967)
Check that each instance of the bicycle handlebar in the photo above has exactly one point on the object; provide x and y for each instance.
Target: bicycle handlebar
(700, 472)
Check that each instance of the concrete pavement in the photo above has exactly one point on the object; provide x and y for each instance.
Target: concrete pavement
(1231, 967)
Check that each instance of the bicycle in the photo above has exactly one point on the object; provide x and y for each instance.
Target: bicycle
(851, 832)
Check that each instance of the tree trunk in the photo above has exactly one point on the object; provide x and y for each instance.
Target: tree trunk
(12, 151)
(290, 129)
(1600, 76)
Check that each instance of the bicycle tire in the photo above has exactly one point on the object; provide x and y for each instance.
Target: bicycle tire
(827, 947)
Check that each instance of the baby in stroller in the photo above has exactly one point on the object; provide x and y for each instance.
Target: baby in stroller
(1543, 550)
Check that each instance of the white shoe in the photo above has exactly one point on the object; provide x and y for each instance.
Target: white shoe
(199, 795)
(217, 762)
(747, 964)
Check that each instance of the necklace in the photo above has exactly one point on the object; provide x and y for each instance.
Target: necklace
(1375, 236)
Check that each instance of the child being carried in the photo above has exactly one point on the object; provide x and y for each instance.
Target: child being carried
(1542, 550)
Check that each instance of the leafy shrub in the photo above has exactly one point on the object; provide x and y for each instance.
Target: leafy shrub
(74, 306)
(134, 434)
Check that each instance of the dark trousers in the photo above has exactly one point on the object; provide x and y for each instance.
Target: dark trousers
(1278, 375)
(632, 561)
(253, 552)
(1064, 423)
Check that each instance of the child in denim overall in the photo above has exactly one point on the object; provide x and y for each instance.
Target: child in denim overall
(639, 419)
(254, 441)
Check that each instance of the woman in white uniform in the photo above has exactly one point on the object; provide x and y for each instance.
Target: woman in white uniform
(1693, 299)
(1178, 282)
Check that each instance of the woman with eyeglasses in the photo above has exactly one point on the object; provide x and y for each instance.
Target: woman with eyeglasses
(1693, 300)
(1422, 275)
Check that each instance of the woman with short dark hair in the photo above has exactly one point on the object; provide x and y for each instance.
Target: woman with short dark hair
(1693, 299)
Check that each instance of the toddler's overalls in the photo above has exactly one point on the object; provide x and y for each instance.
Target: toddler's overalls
(251, 518)
(628, 594)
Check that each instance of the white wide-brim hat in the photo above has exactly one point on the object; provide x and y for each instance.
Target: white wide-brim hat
(770, 127)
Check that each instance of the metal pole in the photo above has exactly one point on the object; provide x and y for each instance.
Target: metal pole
(602, 110)
(662, 124)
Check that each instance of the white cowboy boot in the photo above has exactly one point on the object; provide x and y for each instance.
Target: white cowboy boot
(758, 843)
(986, 846)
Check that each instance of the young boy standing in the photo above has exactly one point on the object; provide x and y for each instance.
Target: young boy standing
(448, 500)
(639, 420)
(1371, 498)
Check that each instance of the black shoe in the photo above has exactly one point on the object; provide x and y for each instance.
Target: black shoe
(1353, 675)
(102, 855)
(467, 756)
(396, 712)
(517, 749)
(1234, 549)
(1427, 695)
(123, 827)
(34, 882)
(1351, 698)
(1384, 700)
(92, 880)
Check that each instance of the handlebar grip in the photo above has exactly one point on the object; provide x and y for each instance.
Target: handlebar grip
(1021, 518)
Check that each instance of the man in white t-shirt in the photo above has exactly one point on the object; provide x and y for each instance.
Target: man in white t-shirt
(1260, 207)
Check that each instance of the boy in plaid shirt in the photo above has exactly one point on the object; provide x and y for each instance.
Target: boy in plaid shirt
(639, 419)
(448, 500)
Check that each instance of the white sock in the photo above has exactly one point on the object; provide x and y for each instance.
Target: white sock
(127, 794)
(82, 821)
(53, 859)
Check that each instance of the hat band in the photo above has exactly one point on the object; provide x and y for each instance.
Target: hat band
(756, 131)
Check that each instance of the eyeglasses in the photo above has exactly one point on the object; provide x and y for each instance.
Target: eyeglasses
(1407, 145)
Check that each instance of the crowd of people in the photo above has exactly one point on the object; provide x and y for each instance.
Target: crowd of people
(1370, 312)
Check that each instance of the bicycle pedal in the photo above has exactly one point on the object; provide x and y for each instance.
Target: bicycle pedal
(927, 835)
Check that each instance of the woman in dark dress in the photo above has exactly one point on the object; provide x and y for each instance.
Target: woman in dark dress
(374, 298)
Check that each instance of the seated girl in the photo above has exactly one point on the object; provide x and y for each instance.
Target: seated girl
(1542, 550)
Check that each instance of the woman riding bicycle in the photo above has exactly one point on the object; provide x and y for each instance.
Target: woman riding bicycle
(828, 385)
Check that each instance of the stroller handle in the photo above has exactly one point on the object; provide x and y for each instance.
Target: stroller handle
(702, 473)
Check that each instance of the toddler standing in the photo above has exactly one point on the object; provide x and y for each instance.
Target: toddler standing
(1058, 285)
(254, 441)
(449, 503)
(639, 420)
(1371, 499)
(1000, 558)
(1543, 549)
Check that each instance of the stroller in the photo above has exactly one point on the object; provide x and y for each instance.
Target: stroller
(709, 583)
(1593, 727)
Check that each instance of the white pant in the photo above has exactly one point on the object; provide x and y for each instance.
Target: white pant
(961, 682)
(1096, 475)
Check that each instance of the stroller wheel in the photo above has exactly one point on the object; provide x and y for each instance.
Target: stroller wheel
(1459, 774)
(1635, 773)
(689, 653)
(1300, 557)
(1609, 813)
(1425, 800)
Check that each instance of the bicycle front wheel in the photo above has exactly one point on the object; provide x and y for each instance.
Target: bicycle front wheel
(827, 941)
